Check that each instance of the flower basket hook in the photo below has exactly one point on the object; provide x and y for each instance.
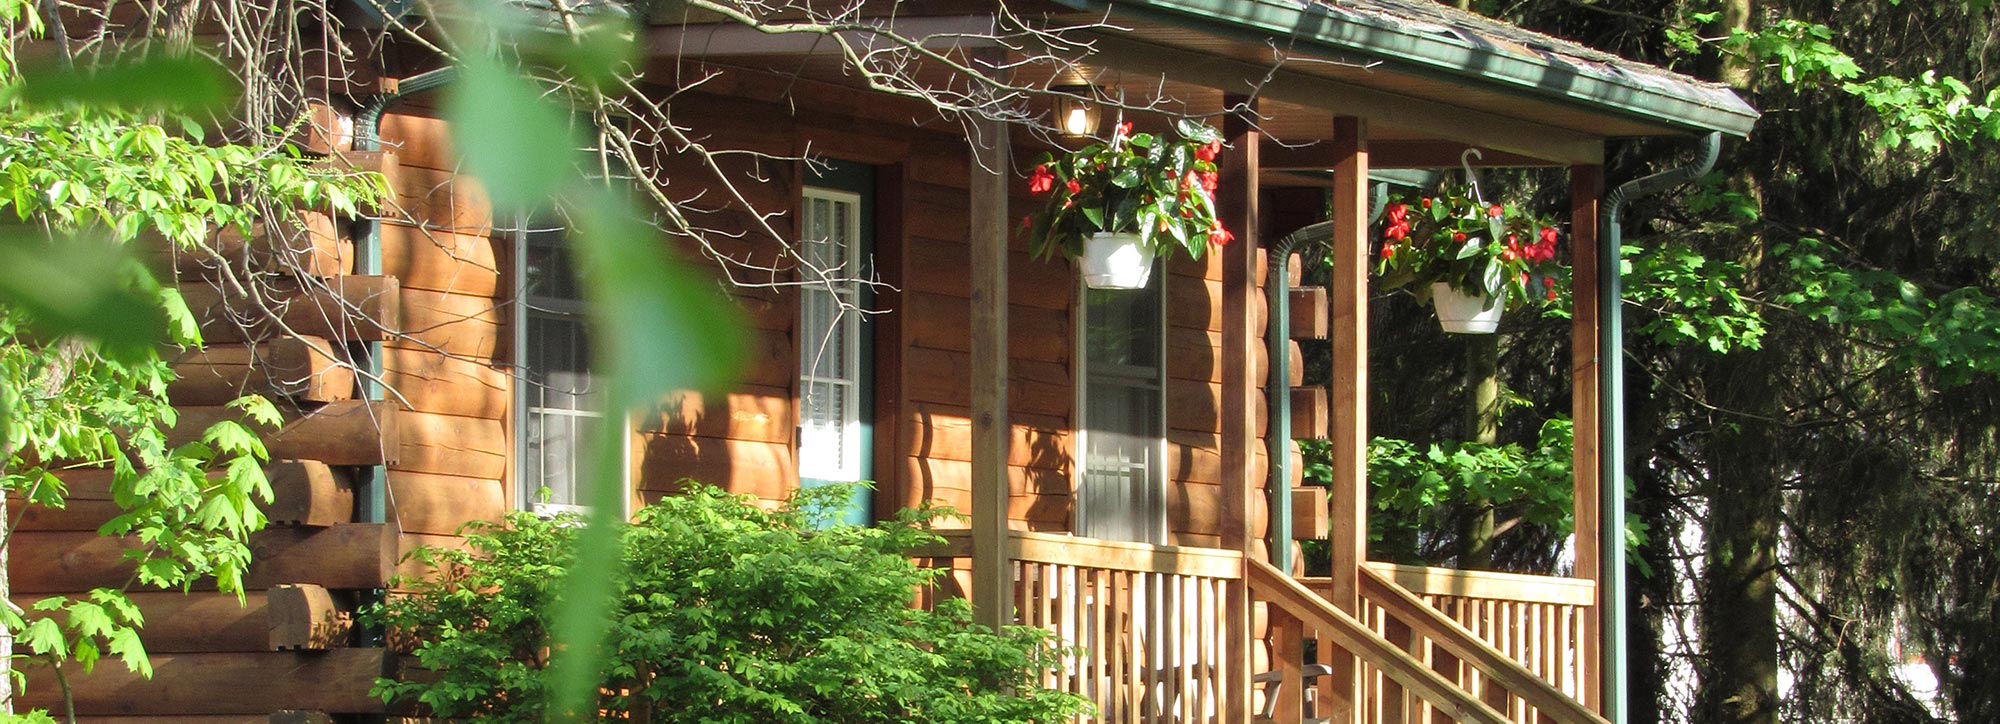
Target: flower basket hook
(1471, 179)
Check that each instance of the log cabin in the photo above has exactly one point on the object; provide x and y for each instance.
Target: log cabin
(1140, 502)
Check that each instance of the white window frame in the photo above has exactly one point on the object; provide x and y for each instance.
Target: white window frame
(815, 462)
(526, 393)
(1155, 531)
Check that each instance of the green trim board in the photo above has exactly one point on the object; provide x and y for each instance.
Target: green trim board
(1419, 37)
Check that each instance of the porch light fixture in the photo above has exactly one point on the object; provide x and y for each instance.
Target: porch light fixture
(1075, 114)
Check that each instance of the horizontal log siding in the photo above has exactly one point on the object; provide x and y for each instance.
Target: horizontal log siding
(451, 371)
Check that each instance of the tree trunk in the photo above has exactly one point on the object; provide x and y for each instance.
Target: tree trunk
(1739, 614)
(1482, 357)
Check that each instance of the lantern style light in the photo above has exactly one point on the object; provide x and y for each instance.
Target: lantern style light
(1075, 114)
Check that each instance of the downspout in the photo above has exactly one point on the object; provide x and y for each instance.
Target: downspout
(371, 482)
(1611, 422)
(1278, 383)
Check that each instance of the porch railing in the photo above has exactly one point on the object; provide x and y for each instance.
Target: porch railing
(1140, 621)
(1469, 625)
(1143, 629)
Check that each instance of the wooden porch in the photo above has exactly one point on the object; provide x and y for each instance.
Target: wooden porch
(1144, 631)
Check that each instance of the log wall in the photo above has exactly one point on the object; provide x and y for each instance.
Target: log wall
(438, 307)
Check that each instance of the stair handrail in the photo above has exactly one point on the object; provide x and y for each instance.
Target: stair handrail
(1426, 621)
(1279, 590)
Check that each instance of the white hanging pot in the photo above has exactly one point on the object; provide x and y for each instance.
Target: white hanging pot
(1116, 261)
(1461, 313)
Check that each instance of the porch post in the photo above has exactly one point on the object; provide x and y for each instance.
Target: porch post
(1240, 343)
(992, 584)
(1586, 187)
(1347, 393)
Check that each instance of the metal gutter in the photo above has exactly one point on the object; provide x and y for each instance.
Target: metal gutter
(1441, 56)
(371, 483)
(1278, 384)
(1611, 422)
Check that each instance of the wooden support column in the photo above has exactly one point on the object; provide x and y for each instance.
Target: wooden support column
(1241, 344)
(992, 586)
(1586, 187)
(1347, 393)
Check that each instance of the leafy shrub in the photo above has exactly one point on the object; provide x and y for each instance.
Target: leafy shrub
(725, 612)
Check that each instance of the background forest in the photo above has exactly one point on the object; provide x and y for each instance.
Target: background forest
(1813, 370)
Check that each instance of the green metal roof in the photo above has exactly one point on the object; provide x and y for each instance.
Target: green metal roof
(1426, 38)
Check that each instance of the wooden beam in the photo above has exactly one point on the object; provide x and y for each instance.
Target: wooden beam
(1347, 392)
(1237, 209)
(728, 39)
(378, 162)
(1309, 518)
(1309, 313)
(348, 308)
(314, 247)
(1431, 118)
(309, 493)
(224, 683)
(1323, 156)
(303, 492)
(354, 555)
(992, 579)
(1586, 187)
(350, 432)
(305, 617)
(192, 622)
(1311, 419)
(328, 130)
(305, 368)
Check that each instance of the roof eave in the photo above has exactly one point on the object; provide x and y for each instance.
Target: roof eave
(1436, 57)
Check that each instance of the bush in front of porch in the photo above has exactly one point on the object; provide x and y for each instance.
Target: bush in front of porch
(725, 612)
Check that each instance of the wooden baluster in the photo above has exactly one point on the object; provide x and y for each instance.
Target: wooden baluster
(1447, 665)
(1490, 690)
(1117, 639)
(1396, 702)
(1287, 658)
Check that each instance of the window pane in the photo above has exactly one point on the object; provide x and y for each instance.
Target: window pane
(561, 411)
(1121, 490)
(829, 350)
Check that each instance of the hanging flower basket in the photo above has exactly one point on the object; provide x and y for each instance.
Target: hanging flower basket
(1471, 259)
(1127, 201)
(1116, 261)
(1463, 313)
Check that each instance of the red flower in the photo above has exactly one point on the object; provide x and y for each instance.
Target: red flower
(1208, 150)
(1027, 222)
(1190, 180)
(1388, 251)
(1552, 294)
(1074, 187)
(1398, 213)
(1524, 279)
(1397, 232)
(1125, 129)
(1458, 236)
(1220, 236)
(1549, 282)
(1209, 181)
(1427, 202)
(1042, 181)
(1493, 211)
(1549, 237)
